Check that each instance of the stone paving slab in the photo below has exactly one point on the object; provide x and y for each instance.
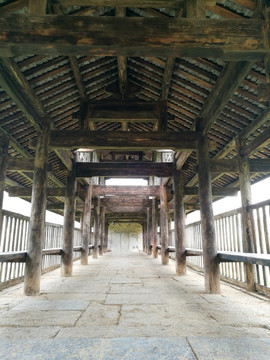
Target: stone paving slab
(39, 318)
(228, 348)
(97, 349)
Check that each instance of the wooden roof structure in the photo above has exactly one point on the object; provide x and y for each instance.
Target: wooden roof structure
(128, 78)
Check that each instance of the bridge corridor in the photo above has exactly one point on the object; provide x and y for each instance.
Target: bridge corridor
(129, 306)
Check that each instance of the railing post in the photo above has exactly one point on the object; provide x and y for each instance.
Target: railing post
(211, 265)
(179, 224)
(247, 233)
(164, 225)
(154, 227)
(37, 217)
(68, 229)
(3, 169)
(86, 226)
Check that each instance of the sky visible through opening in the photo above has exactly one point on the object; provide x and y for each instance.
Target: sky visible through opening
(260, 192)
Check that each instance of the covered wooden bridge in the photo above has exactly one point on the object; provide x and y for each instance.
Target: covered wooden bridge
(175, 92)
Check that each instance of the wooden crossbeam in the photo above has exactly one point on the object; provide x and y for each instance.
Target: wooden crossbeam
(126, 209)
(100, 190)
(124, 3)
(215, 192)
(138, 169)
(127, 201)
(22, 164)
(235, 39)
(232, 166)
(15, 191)
(130, 111)
(108, 140)
(229, 256)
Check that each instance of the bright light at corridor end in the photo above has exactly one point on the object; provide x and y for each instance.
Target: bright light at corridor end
(126, 182)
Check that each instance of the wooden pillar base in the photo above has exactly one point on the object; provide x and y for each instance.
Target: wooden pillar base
(165, 257)
(84, 257)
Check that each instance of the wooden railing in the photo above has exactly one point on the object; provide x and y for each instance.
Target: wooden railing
(13, 245)
(229, 244)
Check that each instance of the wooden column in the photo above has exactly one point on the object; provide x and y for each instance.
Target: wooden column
(149, 231)
(3, 169)
(211, 265)
(86, 226)
(247, 233)
(164, 225)
(69, 218)
(106, 236)
(102, 230)
(154, 227)
(37, 218)
(179, 224)
(96, 227)
(144, 234)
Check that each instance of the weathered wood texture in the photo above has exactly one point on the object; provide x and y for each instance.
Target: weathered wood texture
(69, 218)
(258, 259)
(96, 227)
(149, 230)
(179, 224)
(154, 227)
(232, 166)
(125, 201)
(37, 7)
(20, 163)
(233, 39)
(37, 218)
(138, 169)
(15, 191)
(247, 233)
(182, 140)
(102, 230)
(228, 82)
(211, 267)
(124, 3)
(131, 111)
(143, 191)
(164, 225)
(86, 227)
(4, 144)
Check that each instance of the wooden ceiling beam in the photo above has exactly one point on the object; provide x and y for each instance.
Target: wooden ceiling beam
(15, 191)
(259, 142)
(125, 209)
(135, 170)
(107, 140)
(100, 190)
(126, 201)
(228, 82)
(17, 87)
(124, 3)
(243, 39)
(22, 164)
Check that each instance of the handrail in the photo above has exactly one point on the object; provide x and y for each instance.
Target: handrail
(228, 256)
(21, 256)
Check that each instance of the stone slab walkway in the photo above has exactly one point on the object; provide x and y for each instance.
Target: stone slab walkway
(129, 306)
